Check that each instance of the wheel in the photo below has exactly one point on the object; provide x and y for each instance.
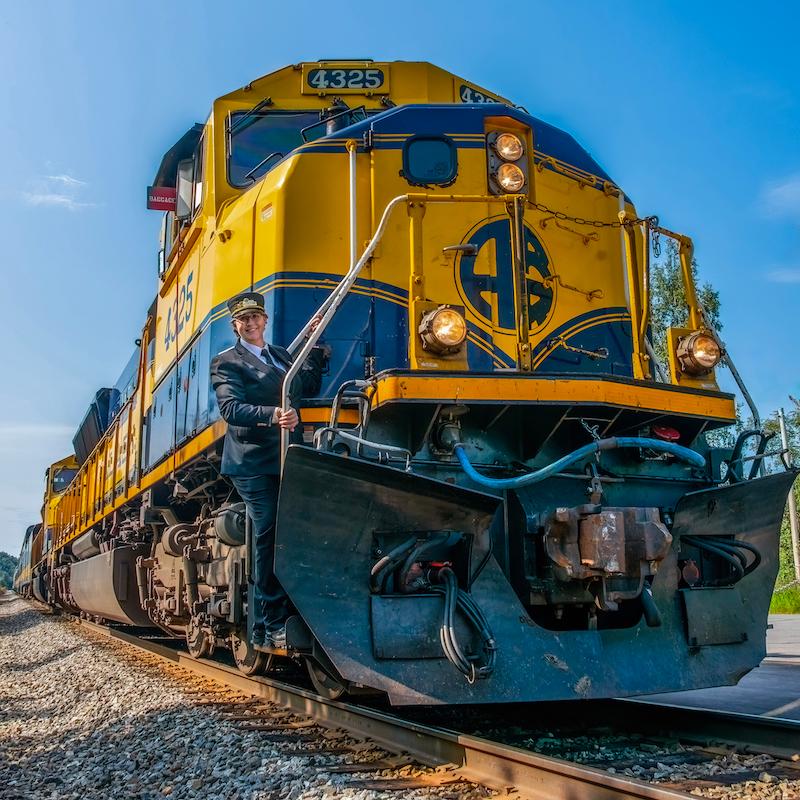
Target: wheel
(198, 641)
(324, 683)
(249, 660)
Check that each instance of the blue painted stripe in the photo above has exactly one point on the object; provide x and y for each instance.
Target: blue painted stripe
(485, 337)
(329, 280)
(310, 280)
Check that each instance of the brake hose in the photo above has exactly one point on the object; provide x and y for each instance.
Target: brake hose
(684, 453)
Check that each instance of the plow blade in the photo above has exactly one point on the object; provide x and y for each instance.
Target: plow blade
(333, 512)
(329, 511)
(751, 511)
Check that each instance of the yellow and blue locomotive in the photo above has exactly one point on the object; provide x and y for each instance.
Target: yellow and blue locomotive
(502, 496)
(31, 577)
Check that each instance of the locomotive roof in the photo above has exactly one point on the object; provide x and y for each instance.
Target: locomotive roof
(449, 118)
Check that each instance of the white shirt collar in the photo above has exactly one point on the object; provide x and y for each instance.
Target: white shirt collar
(254, 348)
(267, 359)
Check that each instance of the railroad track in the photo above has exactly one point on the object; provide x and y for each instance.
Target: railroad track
(504, 765)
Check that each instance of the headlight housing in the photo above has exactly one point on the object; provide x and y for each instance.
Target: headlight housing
(443, 330)
(509, 147)
(507, 160)
(698, 353)
(511, 178)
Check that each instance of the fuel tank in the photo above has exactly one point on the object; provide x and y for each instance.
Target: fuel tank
(39, 585)
(105, 585)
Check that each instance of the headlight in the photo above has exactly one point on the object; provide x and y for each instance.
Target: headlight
(510, 177)
(509, 147)
(698, 353)
(443, 330)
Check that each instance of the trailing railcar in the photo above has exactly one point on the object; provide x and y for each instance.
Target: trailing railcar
(502, 496)
(32, 576)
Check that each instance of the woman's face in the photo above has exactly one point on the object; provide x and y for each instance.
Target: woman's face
(250, 327)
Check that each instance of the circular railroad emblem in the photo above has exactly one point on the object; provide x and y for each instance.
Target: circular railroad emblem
(485, 277)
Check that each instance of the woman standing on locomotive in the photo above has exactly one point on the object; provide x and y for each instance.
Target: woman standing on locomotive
(247, 379)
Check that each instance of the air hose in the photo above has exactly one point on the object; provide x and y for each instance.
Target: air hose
(473, 667)
(683, 453)
(730, 550)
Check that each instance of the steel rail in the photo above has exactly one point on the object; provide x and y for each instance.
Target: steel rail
(478, 760)
(777, 736)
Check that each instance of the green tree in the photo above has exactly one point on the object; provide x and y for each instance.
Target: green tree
(7, 566)
(771, 425)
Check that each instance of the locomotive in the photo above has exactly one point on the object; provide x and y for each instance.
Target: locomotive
(502, 495)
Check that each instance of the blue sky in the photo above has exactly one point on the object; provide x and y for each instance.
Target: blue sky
(694, 108)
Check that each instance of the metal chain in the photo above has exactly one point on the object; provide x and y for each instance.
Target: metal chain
(595, 223)
(656, 237)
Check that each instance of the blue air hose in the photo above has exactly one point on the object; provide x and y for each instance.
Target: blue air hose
(683, 453)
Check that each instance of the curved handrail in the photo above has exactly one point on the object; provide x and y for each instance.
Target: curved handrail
(328, 310)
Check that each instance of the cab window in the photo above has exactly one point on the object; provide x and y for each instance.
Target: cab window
(256, 142)
(62, 479)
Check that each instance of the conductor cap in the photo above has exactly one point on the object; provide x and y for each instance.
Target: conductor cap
(246, 303)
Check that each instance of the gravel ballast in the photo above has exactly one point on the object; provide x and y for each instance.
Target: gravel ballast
(86, 717)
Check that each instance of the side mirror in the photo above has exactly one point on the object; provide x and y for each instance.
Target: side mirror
(183, 209)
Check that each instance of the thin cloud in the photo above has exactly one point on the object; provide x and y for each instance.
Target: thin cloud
(65, 179)
(782, 198)
(57, 191)
(791, 275)
(54, 199)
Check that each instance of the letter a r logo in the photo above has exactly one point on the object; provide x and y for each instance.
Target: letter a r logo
(485, 280)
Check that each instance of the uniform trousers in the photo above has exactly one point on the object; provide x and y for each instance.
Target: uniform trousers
(260, 496)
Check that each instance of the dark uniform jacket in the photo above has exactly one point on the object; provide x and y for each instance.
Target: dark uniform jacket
(248, 391)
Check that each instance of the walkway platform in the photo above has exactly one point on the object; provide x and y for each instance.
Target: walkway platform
(771, 690)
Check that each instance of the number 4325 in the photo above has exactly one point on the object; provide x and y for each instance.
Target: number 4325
(180, 312)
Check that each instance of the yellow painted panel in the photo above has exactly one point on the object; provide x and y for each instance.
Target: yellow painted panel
(187, 311)
(465, 389)
(121, 454)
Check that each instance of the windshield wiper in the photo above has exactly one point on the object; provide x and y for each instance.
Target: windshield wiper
(249, 116)
(251, 175)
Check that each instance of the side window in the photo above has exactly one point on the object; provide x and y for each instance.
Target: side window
(430, 160)
(165, 238)
(199, 164)
(185, 193)
(190, 185)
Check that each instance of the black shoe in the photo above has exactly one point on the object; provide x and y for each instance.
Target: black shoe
(259, 635)
(277, 638)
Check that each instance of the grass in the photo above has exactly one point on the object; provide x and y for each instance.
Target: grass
(786, 602)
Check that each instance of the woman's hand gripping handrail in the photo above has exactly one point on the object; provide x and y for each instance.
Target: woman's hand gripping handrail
(328, 309)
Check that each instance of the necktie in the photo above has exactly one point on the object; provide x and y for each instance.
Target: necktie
(270, 360)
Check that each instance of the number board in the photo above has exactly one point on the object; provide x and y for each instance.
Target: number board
(469, 95)
(345, 79)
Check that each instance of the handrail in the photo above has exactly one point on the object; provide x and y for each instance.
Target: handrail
(726, 359)
(697, 316)
(331, 304)
(328, 309)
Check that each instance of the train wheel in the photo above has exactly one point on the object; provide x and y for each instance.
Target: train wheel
(249, 660)
(198, 641)
(324, 683)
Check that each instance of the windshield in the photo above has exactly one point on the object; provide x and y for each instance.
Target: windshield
(258, 141)
(62, 478)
